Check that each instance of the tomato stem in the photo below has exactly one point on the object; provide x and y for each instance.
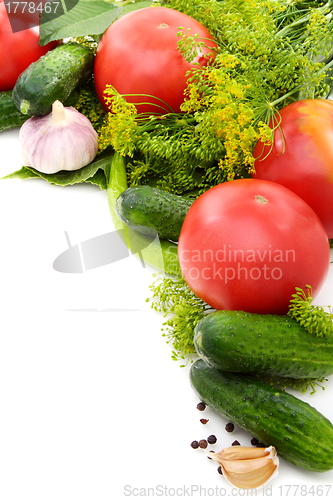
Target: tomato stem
(261, 199)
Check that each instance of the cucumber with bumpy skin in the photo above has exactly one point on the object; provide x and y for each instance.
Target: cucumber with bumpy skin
(238, 341)
(300, 433)
(149, 210)
(53, 77)
(159, 253)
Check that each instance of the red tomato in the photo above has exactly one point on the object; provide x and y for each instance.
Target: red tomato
(138, 55)
(17, 50)
(246, 244)
(301, 158)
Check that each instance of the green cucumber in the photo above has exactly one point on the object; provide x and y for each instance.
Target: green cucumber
(152, 211)
(237, 341)
(157, 252)
(299, 432)
(53, 77)
(10, 116)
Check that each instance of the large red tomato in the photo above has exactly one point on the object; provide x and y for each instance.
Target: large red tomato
(138, 55)
(17, 50)
(246, 244)
(301, 157)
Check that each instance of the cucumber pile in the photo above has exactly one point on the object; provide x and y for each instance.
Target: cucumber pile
(237, 350)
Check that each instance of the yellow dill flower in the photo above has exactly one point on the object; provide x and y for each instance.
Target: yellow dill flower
(228, 60)
(121, 126)
(265, 133)
(245, 116)
(193, 99)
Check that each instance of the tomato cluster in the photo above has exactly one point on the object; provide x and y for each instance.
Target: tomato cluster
(17, 50)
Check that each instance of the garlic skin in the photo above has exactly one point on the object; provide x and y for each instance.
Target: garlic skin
(247, 467)
(61, 140)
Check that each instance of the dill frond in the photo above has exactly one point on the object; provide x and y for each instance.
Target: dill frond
(302, 385)
(183, 310)
(89, 105)
(315, 319)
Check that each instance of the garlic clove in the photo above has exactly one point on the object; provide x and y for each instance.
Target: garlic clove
(247, 467)
(242, 452)
(62, 140)
(250, 474)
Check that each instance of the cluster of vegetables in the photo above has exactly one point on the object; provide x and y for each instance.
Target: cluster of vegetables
(209, 124)
(245, 356)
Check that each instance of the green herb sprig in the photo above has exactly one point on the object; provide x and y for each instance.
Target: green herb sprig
(302, 385)
(315, 319)
(183, 310)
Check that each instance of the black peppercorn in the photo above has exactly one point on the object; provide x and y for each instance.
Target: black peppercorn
(211, 439)
(229, 427)
(203, 443)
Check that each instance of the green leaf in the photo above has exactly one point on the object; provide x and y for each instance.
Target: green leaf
(23, 173)
(88, 17)
(94, 173)
(130, 7)
(99, 179)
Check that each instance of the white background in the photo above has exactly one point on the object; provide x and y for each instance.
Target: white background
(92, 407)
